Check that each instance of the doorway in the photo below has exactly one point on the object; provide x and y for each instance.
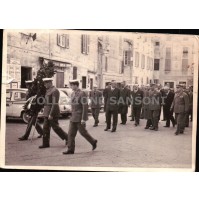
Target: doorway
(60, 79)
(26, 74)
(83, 82)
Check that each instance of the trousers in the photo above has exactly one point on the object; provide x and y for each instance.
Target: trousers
(95, 113)
(55, 126)
(180, 119)
(137, 111)
(73, 128)
(30, 124)
(155, 117)
(109, 114)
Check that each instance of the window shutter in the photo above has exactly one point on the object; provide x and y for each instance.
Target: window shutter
(58, 39)
(67, 40)
(88, 44)
(82, 44)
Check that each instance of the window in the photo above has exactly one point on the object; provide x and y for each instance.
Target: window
(127, 57)
(19, 96)
(83, 82)
(185, 55)
(63, 40)
(151, 64)
(85, 42)
(74, 73)
(148, 63)
(157, 43)
(156, 81)
(143, 61)
(156, 64)
(136, 80)
(137, 55)
(168, 59)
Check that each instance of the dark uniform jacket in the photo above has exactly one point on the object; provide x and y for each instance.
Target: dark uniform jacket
(96, 99)
(51, 106)
(155, 100)
(180, 103)
(137, 98)
(79, 104)
(124, 100)
(112, 99)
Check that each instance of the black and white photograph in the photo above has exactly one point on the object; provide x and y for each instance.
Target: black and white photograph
(99, 100)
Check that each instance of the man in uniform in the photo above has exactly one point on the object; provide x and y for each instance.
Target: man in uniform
(180, 106)
(137, 97)
(51, 114)
(125, 101)
(154, 106)
(96, 102)
(112, 107)
(33, 118)
(78, 118)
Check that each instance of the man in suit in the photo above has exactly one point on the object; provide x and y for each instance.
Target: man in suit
(96, 102)
(78, 118)
(147, 113)
(51, 114)
(137, 97)
(112, 107)
(33, 118)
(166, 102)
(125, 102)
(180, 106)
(154, 106)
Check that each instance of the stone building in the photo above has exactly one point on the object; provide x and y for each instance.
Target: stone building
(175, 57)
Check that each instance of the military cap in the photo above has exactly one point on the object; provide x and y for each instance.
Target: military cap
(73, 81)
(29, 81)
(136, 85)
(47, 79)
(178, 85)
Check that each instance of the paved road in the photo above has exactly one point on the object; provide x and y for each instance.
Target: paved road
(129, 147)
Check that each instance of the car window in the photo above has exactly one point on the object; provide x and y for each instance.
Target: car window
(8, 96)
(20, 96)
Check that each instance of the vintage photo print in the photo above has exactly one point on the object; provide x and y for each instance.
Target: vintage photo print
(99, 100)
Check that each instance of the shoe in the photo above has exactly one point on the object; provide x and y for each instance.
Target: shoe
(122, 123)
(40, 136)
(106, 129)
(22, 138)
(113, 130)
(156, 129)
(95, 145)
(132, 120)
(136, 124)
(166, 126)
(95, 125)
(174, 125)
(176, 133)
(147, 127)
(130, 116)
(181, 132)
(163, 120)
(152, 128)
(68, 152)
(43, 146)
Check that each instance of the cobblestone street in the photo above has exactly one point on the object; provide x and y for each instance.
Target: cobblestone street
(129, 147)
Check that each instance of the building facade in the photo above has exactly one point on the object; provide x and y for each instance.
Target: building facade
(175, 57)
(99, 57)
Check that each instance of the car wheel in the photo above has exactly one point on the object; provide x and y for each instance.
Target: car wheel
(25, 117)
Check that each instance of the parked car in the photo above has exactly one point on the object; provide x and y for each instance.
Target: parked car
(16, 99)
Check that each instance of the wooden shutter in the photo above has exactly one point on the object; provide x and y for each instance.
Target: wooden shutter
(87, 44)
(58, 39)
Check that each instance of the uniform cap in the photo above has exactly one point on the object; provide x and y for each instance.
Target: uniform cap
(47, 79)
(73, 81)
(28, 81)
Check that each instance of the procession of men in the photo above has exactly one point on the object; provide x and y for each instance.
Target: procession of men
(143, 102)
